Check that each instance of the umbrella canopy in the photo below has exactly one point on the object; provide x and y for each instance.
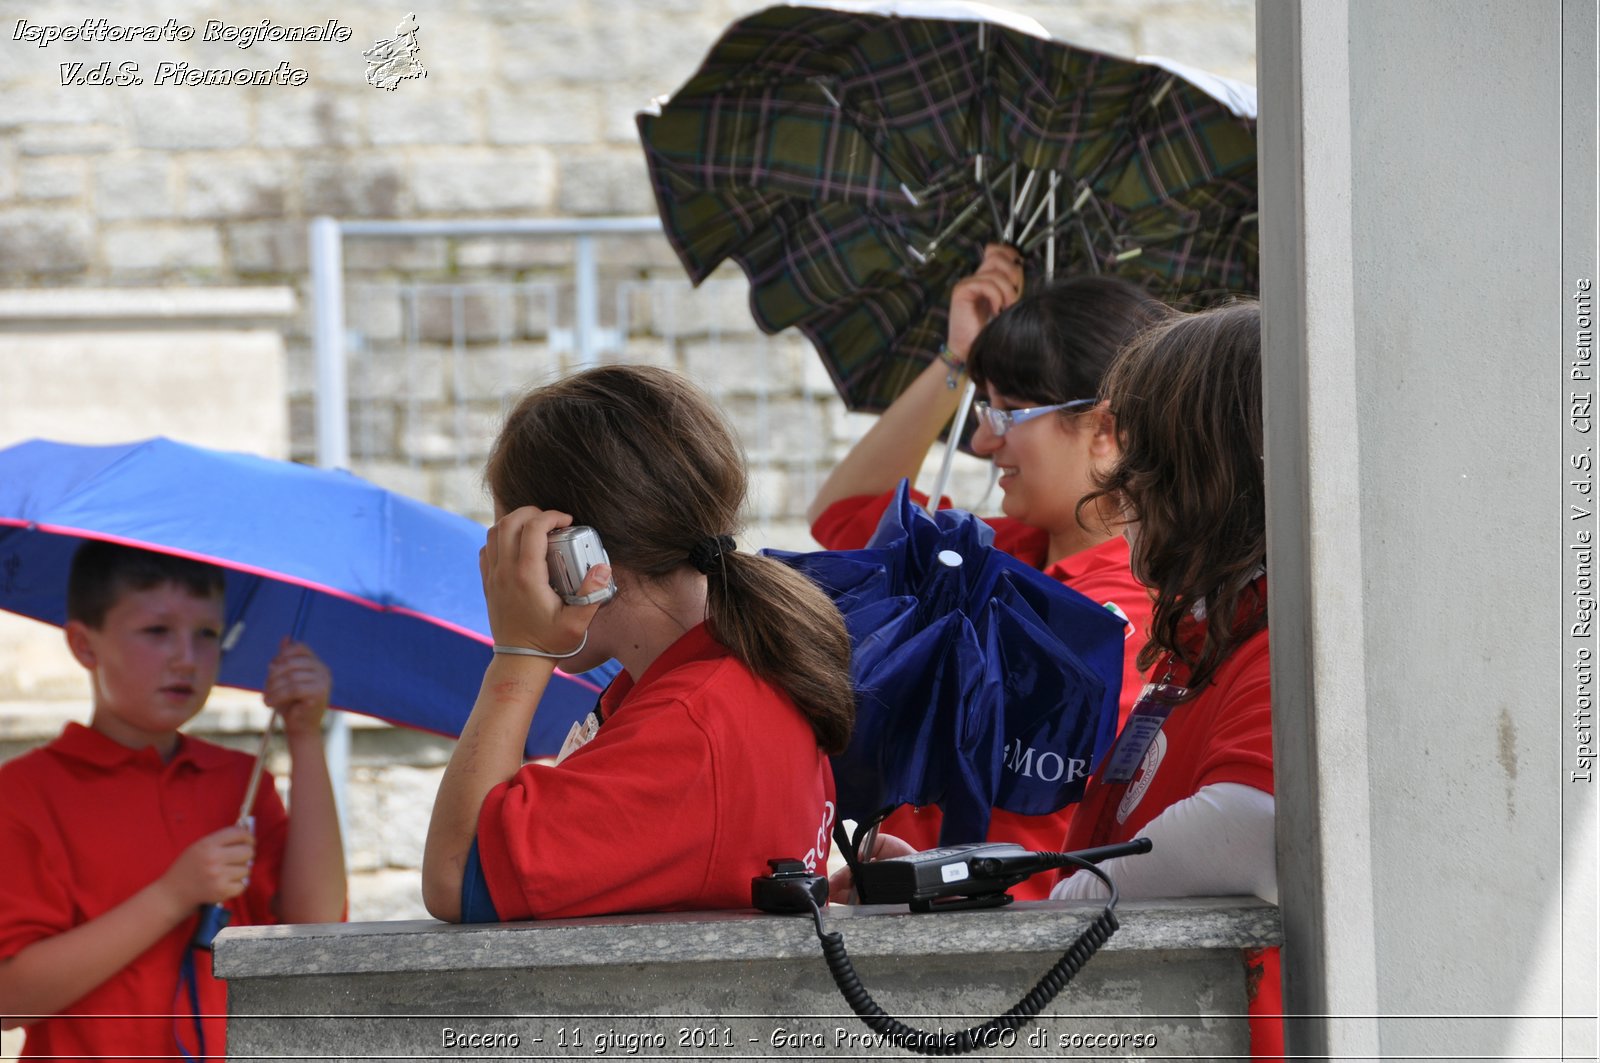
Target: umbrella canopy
(385, 589)
(855, 164)
(980, 681)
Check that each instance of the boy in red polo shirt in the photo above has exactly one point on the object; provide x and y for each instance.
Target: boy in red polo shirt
(113, 835)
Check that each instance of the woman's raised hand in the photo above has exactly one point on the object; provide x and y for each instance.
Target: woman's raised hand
(524, 609)
(975, 300)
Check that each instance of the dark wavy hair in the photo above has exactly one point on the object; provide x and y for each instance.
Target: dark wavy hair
(1187, 401)
(640, 455)
(103, 572)
(1055, 345)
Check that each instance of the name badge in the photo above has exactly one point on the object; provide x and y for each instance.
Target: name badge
(1144, 723)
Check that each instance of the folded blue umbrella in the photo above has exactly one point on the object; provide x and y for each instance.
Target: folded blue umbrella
(384, 588)
(981, 682)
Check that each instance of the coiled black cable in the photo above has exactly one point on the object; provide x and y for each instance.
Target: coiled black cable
(1018, 1016)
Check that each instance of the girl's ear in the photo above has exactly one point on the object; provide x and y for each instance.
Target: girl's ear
(1104, 442)
(81, 645)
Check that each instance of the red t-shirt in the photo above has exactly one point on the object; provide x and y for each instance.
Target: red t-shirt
(85, 823)
(700, 773)
(1100, 573)
(1223, 735)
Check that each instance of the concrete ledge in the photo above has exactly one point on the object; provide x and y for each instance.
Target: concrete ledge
(78, 308)
(1171, 983)
(703, 937)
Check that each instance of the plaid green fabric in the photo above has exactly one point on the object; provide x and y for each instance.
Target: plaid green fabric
(833, 156)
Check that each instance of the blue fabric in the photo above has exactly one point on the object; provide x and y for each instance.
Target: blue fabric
(476, 904)
(385, 589)
(977, 684)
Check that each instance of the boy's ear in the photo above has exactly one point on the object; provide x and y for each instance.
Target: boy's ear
(80, 644)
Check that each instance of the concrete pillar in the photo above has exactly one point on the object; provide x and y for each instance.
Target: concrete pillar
(1428, 182)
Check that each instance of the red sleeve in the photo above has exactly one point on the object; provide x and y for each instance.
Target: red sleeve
(36, 898)
(1238, 744)
(850, 522)
(621, 825)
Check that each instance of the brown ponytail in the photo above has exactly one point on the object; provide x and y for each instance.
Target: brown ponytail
(640, 455)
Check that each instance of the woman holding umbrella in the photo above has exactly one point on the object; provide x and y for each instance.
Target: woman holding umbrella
(1038, 361)
(711, 754)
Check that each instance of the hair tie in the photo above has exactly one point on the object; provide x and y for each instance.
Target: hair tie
(707, 553)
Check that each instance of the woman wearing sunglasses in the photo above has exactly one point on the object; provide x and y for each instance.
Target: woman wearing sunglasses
(1038, 361)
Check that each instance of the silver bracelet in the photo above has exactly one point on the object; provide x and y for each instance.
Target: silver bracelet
(523, 651)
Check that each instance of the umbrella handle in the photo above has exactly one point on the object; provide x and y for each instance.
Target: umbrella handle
(951, 445)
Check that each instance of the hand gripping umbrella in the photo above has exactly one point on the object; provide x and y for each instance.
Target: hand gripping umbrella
(980, 682)
(385, 589)
(855, 162)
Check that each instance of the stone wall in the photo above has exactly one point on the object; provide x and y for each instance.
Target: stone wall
(527, 110)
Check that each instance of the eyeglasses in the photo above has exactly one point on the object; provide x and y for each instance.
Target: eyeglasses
(1002, 421)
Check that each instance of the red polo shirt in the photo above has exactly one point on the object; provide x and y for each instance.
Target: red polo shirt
(85, 823)
(1100, 573)
(700, 773)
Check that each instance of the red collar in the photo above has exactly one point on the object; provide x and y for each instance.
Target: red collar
(696, 644)
(1113, 553)
(89, 746)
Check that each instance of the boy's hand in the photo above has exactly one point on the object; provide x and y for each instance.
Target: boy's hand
(976, 300)
(213, 869)
(298, 685)
(842, 884)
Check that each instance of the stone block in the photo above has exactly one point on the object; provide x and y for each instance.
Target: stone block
(513, 253)
(387, 254)
(363, 822)
(466, 313)
(406, 803)
(621, 102)
(53, 178)
(613, 181)
(57, 106)
(735, 366)
(544, 306)
(495, 374)
(374, 433)
(1224, 46)
(391, 893)
(373, 312)
(189, 120)
(462, 490)
(567, 49)
(8, 169)
(321, 119)
(113, 386)
(775, 429)
(162, 248)
(432, 433)
(547, 114)
(645, 351)
(35, 664)
(413, 481)
(35, 240)
(474, 182)
(224, 186)
(71, 139)
(267, 247)
(720, 306)
(423, 118)
(398, 374)
(365, 186)
(134, 187)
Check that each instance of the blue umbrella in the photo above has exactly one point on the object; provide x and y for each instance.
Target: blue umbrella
(981, 682)
(385, 589)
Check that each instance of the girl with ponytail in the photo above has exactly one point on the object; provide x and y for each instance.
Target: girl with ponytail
(711, 756)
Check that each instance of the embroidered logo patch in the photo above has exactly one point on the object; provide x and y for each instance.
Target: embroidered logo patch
(1141, 783)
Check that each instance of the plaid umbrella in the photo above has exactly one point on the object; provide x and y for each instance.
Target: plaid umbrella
(854, 164)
